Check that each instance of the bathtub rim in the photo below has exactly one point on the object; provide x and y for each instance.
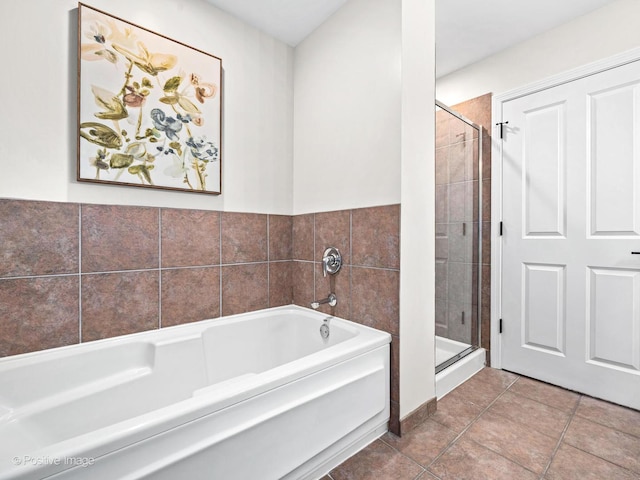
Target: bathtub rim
(110, 438)
(199, 325)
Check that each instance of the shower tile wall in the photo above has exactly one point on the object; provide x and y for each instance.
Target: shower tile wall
(456, 228)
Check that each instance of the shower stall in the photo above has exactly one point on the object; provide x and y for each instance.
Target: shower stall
(458, 177)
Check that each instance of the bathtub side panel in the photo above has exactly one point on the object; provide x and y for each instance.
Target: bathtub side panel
(279, 434)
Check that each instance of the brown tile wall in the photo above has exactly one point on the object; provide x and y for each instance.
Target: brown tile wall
(368, 285)
(73, 273)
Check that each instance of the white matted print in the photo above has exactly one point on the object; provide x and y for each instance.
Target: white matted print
(149, 108)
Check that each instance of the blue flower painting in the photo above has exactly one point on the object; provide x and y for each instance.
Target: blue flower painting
(149, 108)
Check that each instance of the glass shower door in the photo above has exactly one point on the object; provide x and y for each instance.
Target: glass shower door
(457, 232)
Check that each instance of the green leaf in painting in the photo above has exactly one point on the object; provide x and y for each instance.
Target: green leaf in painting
(108, 55)
(177, 147)
(113, 106)
(188, 105)
(151, 63)
(120, 160)
(142, 170)
(172, 84)
(100, 134)
(169, 100)
(136, 149)
(146, 174)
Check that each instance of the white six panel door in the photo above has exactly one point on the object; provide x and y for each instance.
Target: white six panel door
(571, 213)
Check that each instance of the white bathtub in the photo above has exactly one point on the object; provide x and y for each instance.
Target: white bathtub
(258, 395)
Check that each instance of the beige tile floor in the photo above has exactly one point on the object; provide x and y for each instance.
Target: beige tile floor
(498, 425)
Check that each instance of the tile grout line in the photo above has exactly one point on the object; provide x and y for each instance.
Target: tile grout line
(370, 267)
(313, 230)
(387, 269)
(450, 444)
(80, 273)
(220, 267)
(46, 275)
(404, 455)
(351, 261)
(562, 435)
(153, 269)
(421, 474)
(595, 420)
(268, 263)
(572, 414)
(159, 268)
(427, 472)
(291, 265)
(610, 462)
(522, 395)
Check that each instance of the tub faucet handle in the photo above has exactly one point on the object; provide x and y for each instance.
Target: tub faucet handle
(331, 261)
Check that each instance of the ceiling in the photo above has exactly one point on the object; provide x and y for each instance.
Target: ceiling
(466, 30)
(287, 20)
(470, 30)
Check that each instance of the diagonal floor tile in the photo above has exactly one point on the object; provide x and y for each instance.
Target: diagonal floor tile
(544, 393)
(427, 476)
(570, 462)
(466, 460)
(612, 445)
(424, 443)
(456, 412)
(532, 414)
(610, 415)
(377, 461)
(479, 392)
(498, 378)
(529, 448)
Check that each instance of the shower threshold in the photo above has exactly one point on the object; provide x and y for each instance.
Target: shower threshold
(455, 358)
(457, 363)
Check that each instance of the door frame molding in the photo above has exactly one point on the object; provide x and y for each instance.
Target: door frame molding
(568, 76)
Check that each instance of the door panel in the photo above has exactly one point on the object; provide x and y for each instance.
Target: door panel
(571, 214)
(614, 318)
(613, 153)
(544, 307)
(544, 166)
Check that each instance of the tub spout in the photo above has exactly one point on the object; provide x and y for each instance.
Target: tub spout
(332, 300)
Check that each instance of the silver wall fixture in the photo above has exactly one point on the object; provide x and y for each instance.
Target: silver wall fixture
(331, 261)
(332, 300)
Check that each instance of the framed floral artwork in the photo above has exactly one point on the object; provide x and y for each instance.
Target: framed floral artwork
(149, 109)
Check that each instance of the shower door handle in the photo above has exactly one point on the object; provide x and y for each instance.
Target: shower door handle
(635, 253)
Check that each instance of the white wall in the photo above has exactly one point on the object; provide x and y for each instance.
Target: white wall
(347, 91)
(359, 123)
(597, 35)
(364, 135)
(38, 124)
(417, 249)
